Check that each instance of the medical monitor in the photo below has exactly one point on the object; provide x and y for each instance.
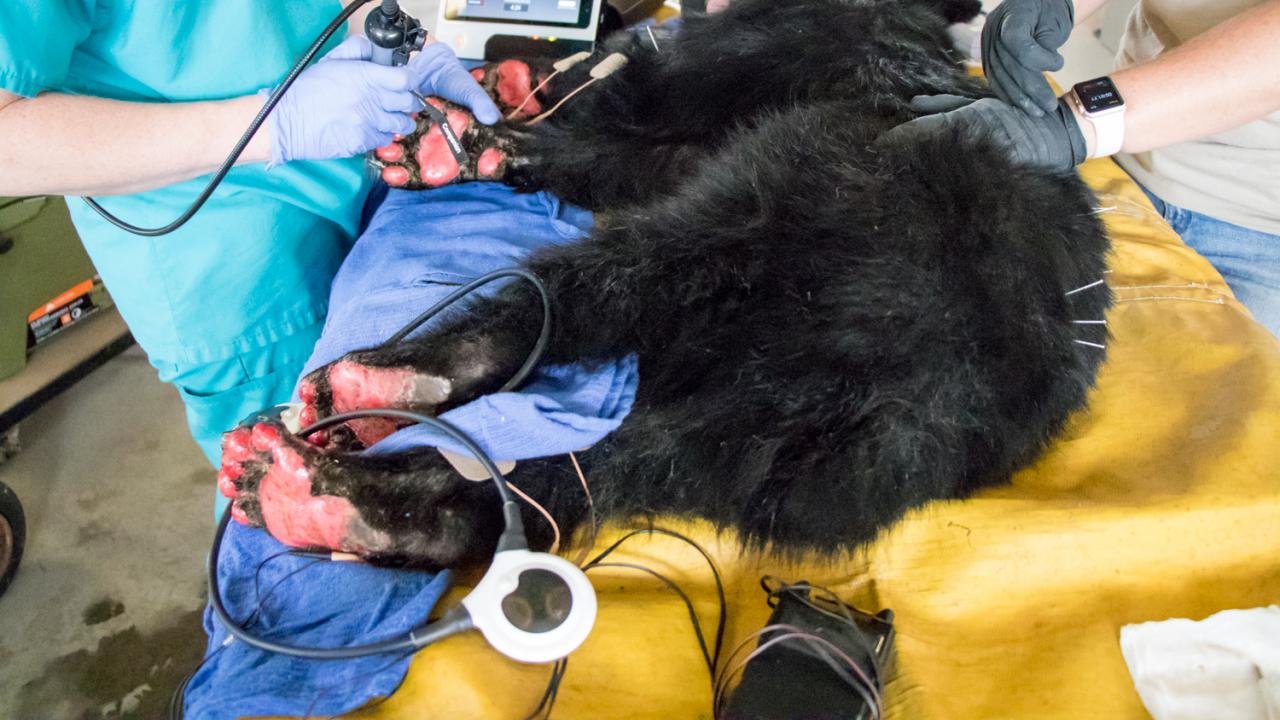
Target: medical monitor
(495, 29)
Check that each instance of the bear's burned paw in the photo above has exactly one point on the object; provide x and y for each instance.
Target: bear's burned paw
(425, 375)
(424, 159)
(276, 481)
(514, 86)
(355, 383)
(411, 509)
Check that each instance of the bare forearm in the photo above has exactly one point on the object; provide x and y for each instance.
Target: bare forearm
(58, 144)
(1219, 80)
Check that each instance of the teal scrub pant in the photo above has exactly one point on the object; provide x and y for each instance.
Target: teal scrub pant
(219, 395)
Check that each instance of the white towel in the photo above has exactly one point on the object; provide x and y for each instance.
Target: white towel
(1225, 667)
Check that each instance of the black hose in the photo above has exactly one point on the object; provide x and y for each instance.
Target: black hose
(244, 140)
(455, 621)
(544, 336)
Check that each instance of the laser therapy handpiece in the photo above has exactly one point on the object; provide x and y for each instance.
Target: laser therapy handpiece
(393, 33)
(533, 607)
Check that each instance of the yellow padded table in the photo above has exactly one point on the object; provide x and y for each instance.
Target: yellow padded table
(1161, 500)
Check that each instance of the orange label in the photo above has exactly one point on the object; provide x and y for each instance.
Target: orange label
(83, 288)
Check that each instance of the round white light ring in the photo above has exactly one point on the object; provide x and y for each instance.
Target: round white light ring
(533, 607)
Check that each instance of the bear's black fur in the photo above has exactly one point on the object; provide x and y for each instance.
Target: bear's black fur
(833, 327)
(647, 128)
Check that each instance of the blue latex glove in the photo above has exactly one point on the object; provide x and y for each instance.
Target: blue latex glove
(1052, 141)
(1020, 42)
(345, 104)
(439, 73)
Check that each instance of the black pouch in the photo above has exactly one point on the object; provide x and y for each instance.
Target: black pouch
(802, 678)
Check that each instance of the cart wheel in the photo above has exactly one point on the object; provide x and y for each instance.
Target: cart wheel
(13, 535)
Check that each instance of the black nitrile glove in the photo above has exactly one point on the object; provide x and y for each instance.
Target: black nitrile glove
(1051, 141)
(1020, 42)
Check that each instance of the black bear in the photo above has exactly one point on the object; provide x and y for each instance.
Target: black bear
(833, 326)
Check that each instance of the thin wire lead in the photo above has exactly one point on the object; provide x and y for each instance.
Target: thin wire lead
(1082, 288)
(511, 115)
(555, 527)
(591, 510)
(560, 104)
(652, 39)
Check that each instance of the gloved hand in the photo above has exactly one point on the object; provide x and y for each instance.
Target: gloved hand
(1052, 141)
(345, 104)
(1019, 43)
(439, 73)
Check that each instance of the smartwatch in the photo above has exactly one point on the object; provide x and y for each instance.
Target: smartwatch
(1099, 102)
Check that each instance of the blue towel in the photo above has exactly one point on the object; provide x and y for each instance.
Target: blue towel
(312, 603)
(417, 248)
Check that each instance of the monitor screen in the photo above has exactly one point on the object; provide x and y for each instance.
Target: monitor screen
(560, 13)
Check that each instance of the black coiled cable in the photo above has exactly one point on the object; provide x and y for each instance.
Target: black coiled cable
(244, 140)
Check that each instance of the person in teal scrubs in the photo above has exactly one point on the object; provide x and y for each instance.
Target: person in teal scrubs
(136, 102)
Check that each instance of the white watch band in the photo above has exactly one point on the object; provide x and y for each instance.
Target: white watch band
(1108, 132)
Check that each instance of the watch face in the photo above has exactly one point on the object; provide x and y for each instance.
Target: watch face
(1098, 95)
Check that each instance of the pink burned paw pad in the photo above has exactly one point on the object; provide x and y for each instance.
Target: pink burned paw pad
(513, 85)
(489, 163)
(515, 88)
(436, 163)
(269, 476)
(347, 385)
(423, 159)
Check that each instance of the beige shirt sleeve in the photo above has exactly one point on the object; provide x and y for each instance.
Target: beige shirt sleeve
(1233, 175)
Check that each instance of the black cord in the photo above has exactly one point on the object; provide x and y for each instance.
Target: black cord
(548, 700)
(178, 699)
(512, 538)
(555, 686)
(544, 336)
(447, 428)
(453, 622)
(712, 658)
(688, 603)
(244, 140)
(257, 577)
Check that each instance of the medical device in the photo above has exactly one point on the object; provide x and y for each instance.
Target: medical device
(497, 29)
(817, 656)
(394, 35)
(533, 607)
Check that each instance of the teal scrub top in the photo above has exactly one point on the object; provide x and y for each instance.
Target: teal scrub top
(255, 264)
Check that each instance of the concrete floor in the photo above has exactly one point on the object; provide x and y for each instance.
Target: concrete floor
(103, 618)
